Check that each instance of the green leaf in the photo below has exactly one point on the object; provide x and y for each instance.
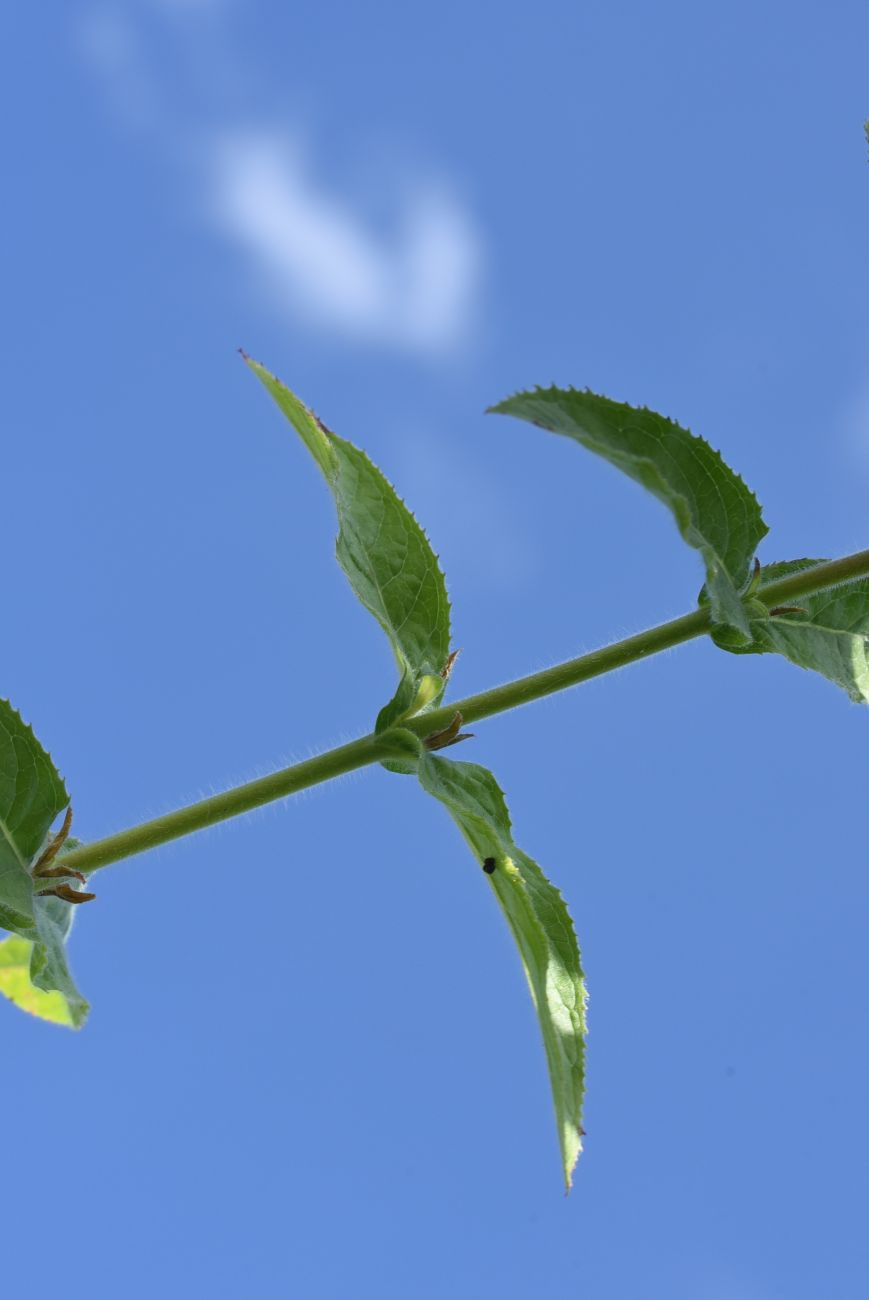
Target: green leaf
(34, 973)
(714, 510)
(541, 926)
(831, 637)
(16, 984)
(31, 796)
(49, 970)
(385, 555)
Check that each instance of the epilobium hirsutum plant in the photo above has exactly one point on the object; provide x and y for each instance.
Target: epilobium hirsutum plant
(814, 612)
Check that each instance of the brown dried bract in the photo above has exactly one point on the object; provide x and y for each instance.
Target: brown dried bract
(40, 867)
(450, 735)
(67, 893)
(448, 666)
(57, 873)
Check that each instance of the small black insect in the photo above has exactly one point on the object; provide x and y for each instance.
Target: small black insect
(489, 866)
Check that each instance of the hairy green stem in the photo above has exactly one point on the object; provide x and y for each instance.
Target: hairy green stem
(373, 748)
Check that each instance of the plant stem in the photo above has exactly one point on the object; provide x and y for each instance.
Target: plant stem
(611, 657)
(372, 748)
(219, 807)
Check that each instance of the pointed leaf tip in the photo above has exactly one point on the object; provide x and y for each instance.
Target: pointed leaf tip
(384, 553)
(714, 510)
(541, 926)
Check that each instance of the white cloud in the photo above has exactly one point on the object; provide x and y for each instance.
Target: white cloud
(314, 254)
(321, 262)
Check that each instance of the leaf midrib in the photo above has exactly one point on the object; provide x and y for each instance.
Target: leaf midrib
(7, 834)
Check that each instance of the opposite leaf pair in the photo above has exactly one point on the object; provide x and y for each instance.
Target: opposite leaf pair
(395, 574)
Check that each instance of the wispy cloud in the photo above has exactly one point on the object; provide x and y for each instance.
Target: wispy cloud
(309, 246)
(321, 262)
(110, 46)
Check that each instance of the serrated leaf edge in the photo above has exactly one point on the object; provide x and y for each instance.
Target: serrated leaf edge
(499, 408)
(4, 829)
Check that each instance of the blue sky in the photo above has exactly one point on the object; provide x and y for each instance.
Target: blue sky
(312, 1068)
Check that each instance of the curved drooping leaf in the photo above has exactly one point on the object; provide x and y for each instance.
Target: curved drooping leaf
(31, 795)
(538, 919)
(395, 574)
(385, 555)
(17, 986)
(35, 974)
(49, 969)
(827, 632)
(714, 510)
